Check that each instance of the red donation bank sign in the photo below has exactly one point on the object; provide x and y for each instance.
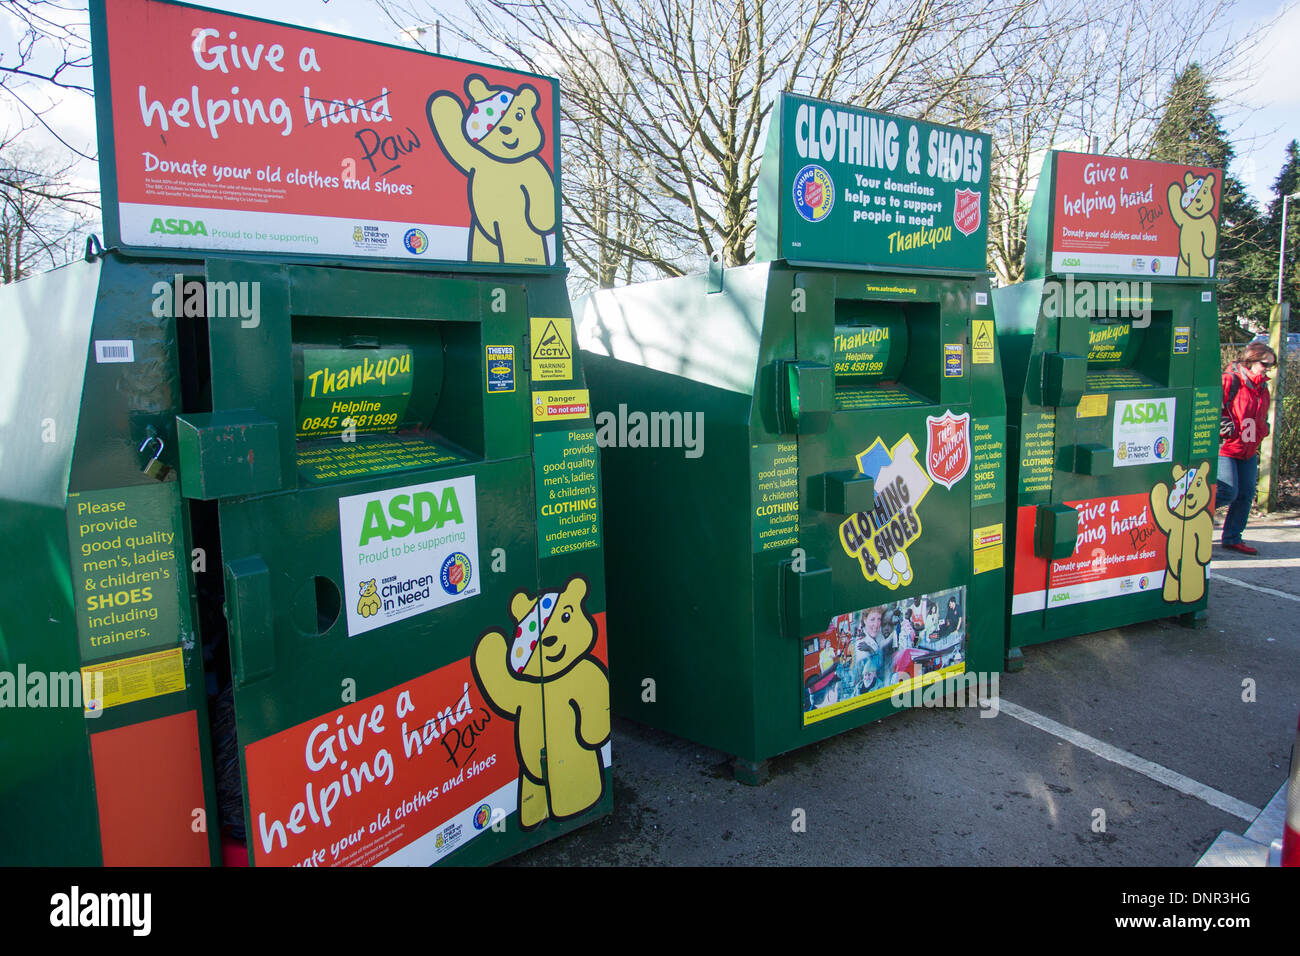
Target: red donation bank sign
(1132, 217)
(1120, 551)
(404, 777)
(219, 132)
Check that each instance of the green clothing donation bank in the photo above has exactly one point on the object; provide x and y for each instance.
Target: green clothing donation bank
(802, 457)
(1111, 359)
(282, 471)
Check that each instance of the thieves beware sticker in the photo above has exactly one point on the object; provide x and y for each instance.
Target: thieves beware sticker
(952, 360)
(408, 550)
(500, 368)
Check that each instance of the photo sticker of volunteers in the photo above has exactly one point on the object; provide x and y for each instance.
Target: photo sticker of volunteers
(1242, 426)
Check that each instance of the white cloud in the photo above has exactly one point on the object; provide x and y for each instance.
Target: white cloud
(1275, 77)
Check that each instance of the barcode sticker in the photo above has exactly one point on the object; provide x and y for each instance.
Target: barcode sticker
(114, 350)
(981, 298)
(1205, 297)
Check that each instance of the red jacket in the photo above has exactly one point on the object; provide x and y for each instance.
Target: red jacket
(1250, 404)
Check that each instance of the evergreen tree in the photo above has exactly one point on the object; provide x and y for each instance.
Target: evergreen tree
(1287, 182)
(1190, 133)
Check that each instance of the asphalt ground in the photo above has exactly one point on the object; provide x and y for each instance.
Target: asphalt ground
(949, 787)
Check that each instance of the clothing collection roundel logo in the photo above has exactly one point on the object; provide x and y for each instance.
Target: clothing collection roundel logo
(456, 573)
(814, 193)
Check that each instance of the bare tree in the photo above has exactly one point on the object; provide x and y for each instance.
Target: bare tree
(1097, 80)
(665, 101)
(43, 214)
(48, 55)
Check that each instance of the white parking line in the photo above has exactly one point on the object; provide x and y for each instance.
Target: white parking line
(1215, 798)
(1216, 576)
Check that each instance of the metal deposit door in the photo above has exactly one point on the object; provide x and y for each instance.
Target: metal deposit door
(357, 573)
(887, 491)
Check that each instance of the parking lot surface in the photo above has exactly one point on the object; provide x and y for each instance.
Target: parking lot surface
(1128, 747)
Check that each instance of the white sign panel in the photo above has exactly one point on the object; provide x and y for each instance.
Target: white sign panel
(1144, 431)
(408, 550)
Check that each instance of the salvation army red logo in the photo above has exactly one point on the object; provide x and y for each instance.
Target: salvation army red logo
(947, 447)
(966, 211)
(812, 193)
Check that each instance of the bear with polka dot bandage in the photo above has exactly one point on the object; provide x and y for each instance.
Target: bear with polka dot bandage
(496, 142)
(547, 682)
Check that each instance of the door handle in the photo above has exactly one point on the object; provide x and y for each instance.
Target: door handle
(248, 610)
(1056, 531)
(842, 492)
(806, 598)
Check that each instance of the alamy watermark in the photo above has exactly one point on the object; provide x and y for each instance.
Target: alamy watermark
(75, 908)
(196, 298)
(965, 690)
(653, 430)
(1088, 298)
(80, 690)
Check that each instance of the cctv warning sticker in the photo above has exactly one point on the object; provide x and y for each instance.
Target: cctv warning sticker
(982, 342)
(552, 349)
(408, 550)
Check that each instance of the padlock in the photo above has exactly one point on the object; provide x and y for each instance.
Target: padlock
(155, 468)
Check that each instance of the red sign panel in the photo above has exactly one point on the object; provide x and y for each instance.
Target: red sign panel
(1120, 551)
(415, 764)
(237, 134)
(406, 776)
(1133, 217)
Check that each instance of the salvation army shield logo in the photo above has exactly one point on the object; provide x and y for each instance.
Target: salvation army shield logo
(947, 447)
(966, 211)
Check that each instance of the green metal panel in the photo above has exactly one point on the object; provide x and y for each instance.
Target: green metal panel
(45, 771)
(1079, 445)
(214, 389)
(288, 600)
(227, 454)
(102, 370)
(726, 653)
(848, 187)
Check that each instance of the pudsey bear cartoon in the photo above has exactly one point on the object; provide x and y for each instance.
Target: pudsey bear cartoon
(1191, 204)
(1183, 513)
(550, 648)
(496, 142)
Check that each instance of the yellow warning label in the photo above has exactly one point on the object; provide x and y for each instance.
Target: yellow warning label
(982, 342)
(552, 344)
(133, 678)
(988, 548)
(557, 406)
(1093, 406)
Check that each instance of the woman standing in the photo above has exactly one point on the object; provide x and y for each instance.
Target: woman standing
(1243, 426)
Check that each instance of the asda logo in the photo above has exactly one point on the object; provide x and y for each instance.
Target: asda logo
(407, 514)
(179, 227)
(1144, 413)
